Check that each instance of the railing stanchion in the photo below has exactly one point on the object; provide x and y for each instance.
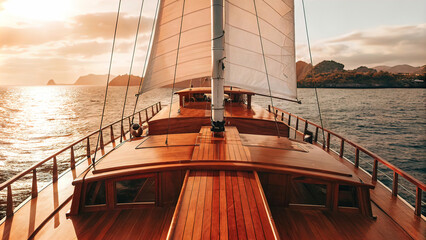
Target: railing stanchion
(140, 119)
(297, 124)
(123, 135)
(306, 126)
(34, 189)
(159, 103)
(269, 108)
(130, 128)
(342, 147)
(316, 135)
(289, 119)
(55, 170)
(111, 129)
(282, 116)
(152, 111)
(88, 148)
(156, 108)
(357, 157)
(9, 207)
(101, 141)
(418, 209)
(328, 141)
(374, 174)
(146, 115)
(72, 164)
(395, 184)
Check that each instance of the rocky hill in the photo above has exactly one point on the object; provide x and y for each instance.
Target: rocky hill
(408, 69)
(122, 80)
(328, 67)
(364, 69)
(92, 79)
(302, 69)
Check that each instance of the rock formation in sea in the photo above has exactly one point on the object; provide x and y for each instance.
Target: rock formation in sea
(51, 82)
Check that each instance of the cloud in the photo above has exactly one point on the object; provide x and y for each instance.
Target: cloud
(32, 54)
(387, 45)
(82, 27)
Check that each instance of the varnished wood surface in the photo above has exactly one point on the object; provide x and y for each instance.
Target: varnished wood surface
(34, 213)
(393, 206)
(254, 120)
(143, 223)
(222, 204)
(227, 90)
(318, 224)
(203, 147)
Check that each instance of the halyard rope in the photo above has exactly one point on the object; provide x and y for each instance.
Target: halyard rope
(146, 61)
(130, 70)
(310, 56)
(266, 69)
(174, 76)
(107, 83)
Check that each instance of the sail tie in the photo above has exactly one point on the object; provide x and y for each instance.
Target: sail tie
(107, 83)
(315, 87)
(130, 70)
(174, 76)
(266, 69)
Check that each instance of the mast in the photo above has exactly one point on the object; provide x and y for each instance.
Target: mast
(217, 104)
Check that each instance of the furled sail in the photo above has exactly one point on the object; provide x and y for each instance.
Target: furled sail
(244, 66)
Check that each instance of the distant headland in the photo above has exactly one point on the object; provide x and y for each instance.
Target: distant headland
(331, 74)
(99, 80)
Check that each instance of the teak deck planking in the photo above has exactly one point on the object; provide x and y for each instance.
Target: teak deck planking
(222, 205)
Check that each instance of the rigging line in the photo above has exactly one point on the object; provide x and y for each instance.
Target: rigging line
(145, 63)
(310, 56)
(130, 73)
(107, 83)
(174, 76)
(266, 68)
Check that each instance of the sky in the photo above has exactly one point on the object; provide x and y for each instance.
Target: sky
(62, 40)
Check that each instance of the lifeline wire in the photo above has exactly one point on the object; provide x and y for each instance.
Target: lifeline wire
(107, 84)
(145, 63)
(174, 77)
(130, 72)
(266, 69)
(310, 56)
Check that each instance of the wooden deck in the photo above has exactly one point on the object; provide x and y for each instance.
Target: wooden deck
(189, 119)
(222, 205)
(317, 224)
(145, 223)
(254, 151)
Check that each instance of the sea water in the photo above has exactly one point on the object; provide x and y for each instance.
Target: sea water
(37, 121)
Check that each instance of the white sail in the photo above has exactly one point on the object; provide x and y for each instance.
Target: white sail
(244, 66)
(244, 60)
(194, 58)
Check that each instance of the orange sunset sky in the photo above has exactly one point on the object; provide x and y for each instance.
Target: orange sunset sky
(65, 39)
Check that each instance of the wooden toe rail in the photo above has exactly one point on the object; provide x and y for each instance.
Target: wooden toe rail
(222, 205)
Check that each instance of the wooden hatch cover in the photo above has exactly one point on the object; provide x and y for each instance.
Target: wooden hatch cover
(222, 205)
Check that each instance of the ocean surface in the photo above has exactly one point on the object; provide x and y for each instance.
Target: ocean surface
(37, 121)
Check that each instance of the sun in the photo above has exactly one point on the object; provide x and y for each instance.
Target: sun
(42, 10)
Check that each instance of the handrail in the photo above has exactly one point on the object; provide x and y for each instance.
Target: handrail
(155, 108)
(420, 186)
